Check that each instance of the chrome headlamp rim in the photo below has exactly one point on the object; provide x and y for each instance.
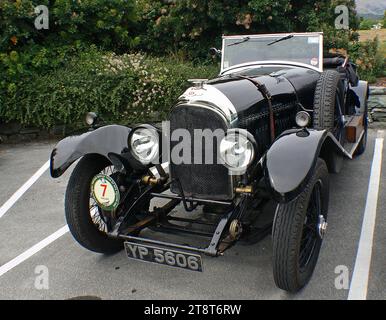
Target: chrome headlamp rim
(254, 149)
(154, 135)
(91, 118)
(302, 119)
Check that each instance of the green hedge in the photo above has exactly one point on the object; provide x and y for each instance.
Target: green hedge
(370, 59)
(125, 89)
(106, 23)
(52, 76)
(187, 28)
(74, 25)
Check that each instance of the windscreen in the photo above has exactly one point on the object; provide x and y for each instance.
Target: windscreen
(294, 48)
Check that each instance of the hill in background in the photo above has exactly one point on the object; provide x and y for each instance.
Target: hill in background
(371, 9)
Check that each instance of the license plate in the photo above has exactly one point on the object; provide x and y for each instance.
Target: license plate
(167, 257)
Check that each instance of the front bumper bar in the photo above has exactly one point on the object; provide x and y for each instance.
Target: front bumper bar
(216, 247)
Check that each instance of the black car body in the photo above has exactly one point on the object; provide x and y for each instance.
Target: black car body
(297, 117)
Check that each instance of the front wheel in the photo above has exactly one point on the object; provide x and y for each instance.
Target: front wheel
(87, 222)
(298, 231)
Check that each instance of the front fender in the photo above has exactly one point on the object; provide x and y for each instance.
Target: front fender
(290, 161)
(102, 141)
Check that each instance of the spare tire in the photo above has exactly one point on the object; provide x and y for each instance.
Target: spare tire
(325, 100)
(327, 93)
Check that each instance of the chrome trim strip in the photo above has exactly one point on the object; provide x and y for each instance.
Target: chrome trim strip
(243, 66)
(210, 95)
(321, 52)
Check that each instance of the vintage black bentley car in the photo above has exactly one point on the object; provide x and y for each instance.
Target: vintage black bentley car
(243, 155)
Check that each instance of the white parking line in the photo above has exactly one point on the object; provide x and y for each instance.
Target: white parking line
(360, 278)
(42, 244)
(16, 196)
(31, 251)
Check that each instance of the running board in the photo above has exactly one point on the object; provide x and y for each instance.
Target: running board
(350, 148)
(354, 131)
(342, 149)
(354, 128)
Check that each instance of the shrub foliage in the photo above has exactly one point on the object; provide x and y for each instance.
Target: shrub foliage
(85, 60)
(129, 88)
(188, 27)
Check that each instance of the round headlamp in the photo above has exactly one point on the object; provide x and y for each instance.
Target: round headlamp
(237, 150)
(91, 118)
(144, 143)
(303, 119)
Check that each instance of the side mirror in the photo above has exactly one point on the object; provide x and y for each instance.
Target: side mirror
(215, 52)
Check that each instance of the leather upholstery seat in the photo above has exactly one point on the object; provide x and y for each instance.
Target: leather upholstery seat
(333, 62)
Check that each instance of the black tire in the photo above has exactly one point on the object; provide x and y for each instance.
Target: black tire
(288, 232)
(77, 198)
(325, 110)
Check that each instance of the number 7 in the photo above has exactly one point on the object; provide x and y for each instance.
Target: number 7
(104, 186)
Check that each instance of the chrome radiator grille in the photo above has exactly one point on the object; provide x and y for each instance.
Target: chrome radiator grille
(206, 181)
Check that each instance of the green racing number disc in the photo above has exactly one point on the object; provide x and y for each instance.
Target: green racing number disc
(105, 192)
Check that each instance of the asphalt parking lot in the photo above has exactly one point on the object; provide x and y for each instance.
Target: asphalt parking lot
(33, 237)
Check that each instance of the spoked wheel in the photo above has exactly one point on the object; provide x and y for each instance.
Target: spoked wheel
(103, 220)
(298, 231)
(87, 221)
(97, 217)
(313, 227)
